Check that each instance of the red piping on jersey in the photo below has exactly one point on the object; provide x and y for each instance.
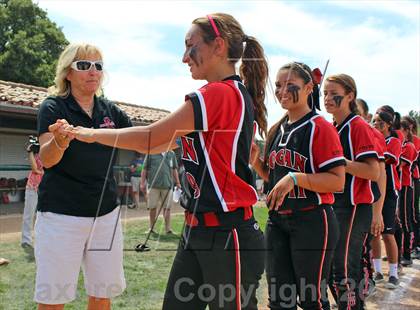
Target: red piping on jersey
(237, 269)
(324, 249)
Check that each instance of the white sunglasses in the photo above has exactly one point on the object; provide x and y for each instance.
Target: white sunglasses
(86, 65)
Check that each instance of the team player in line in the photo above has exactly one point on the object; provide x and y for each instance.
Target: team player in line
(408, 157)
(378, 188)
(383, 122)
(353, 206)
(302, 172)
(222, 243)
(416, 188)
(396, 125)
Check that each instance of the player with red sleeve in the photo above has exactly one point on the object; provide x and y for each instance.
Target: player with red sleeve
(302, 172)
(377, 225)
(416, 180)
(383, 122)
(408, 157)
(353, 206)
(221, 245)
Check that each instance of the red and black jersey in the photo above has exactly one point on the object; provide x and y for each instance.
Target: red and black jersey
(400, 135)
(416, 172)
(380, 146)
(408, 155)
(216, 154)
(309, 145)
(380, 143)
(392, 158)
(358, 143)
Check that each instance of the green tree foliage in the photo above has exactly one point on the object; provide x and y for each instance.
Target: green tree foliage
(416, 116)
(30, 43)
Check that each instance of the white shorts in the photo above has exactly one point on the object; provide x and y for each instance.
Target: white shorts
(65, 243)
(135, 184)
(158, 196)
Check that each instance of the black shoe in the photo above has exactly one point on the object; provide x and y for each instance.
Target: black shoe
(378, 277)
(393, 283)
(415, 255)
(406, 262)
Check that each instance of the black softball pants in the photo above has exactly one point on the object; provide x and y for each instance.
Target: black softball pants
(300, 249)
(354, 225)
(218, 267)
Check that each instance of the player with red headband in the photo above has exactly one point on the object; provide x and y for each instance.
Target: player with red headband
(222, 245)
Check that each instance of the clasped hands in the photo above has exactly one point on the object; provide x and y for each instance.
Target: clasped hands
(64, 133)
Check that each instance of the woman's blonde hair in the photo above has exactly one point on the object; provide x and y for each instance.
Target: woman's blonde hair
(73, 52)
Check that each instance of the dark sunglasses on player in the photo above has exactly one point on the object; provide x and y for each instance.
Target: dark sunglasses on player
(86, 65)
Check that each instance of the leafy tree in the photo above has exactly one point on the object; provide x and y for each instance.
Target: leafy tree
(416, 116)
(30, 43)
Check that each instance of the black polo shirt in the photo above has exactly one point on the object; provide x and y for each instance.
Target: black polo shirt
(82, 183)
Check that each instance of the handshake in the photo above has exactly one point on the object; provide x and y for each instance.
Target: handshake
(64, 133)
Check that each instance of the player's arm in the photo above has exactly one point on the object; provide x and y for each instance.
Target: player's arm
(377, 225)
(257, 163)
(324, 182)
(366, 169)
(156, 137)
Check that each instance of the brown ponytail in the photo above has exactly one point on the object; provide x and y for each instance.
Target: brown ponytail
(254, 67)
(254, 72)
(406, 125)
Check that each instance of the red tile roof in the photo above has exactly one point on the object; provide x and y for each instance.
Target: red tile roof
(17, 94)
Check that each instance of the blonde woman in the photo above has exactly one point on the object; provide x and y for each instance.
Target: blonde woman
(78, 218)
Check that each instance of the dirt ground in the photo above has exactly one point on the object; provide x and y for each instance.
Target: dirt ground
(406, 297)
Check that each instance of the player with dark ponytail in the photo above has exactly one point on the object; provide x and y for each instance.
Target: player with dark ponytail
(302, 172)
(222, 245)
(405, 202)
(416, 186)
(383, 122)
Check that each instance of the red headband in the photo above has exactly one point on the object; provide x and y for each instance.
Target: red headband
(213, 24)
(317, 76)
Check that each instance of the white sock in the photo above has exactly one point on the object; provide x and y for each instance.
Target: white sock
(393, 270)
(377, 265)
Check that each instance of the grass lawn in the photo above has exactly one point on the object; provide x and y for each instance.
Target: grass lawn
(146, 273)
